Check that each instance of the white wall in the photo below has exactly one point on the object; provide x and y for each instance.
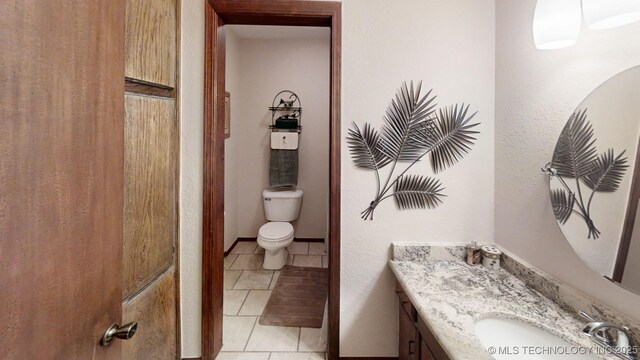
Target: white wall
(613, 110)
(267, 67)
(536, 91)
(191, 164)
(232, 144)
(450, 46)
(447, 44)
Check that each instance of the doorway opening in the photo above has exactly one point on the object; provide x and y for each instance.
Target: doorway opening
(220, 16)
(276, 189)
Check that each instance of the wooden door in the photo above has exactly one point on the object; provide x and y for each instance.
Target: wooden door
(149, 293)
(61, 175)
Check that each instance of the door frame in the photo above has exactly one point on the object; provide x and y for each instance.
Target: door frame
(256, 12)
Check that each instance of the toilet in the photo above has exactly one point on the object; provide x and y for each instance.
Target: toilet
(280, 208)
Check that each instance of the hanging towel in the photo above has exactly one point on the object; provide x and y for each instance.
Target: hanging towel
(283, 168)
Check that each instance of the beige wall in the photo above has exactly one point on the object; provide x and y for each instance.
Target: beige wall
(191, 165)
(450, 46)
(267, 67)
(232, 144)
(536, 91)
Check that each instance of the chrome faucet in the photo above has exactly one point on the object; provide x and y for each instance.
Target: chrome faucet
(614, 339)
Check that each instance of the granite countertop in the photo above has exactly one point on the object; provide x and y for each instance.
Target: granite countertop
(451, 296)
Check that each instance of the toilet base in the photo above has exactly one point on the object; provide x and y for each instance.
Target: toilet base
(275, 259)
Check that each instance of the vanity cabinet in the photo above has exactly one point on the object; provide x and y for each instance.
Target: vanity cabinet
(416, 340)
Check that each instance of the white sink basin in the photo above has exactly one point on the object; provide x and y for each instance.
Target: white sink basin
(508, 339)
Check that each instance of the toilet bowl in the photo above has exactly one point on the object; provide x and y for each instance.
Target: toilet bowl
(274, 237)
(280, 207)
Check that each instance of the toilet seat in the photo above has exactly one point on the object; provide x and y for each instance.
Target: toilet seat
(275, 231)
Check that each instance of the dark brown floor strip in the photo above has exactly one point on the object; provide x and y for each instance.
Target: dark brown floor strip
(298, 298)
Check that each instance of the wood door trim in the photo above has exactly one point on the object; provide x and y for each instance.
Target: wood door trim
(255, 12)
(629, 222)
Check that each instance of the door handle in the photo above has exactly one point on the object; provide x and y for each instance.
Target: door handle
(124, 332)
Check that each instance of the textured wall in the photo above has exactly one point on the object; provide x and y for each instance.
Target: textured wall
(232, 144)
(191, 151)
(450, 46)
(536, 91)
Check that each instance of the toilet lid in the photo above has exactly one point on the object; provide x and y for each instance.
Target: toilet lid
(275, 230)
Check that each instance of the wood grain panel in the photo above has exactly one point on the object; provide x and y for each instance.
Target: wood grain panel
(149, 189)
(151, 41)
(61, 110)
(154, 310)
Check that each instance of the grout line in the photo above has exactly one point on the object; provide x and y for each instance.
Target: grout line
(273, 274)
(234, 261)
(243, 301)
(273, 277)
(249, 338)
(299, 336)
(235, 282)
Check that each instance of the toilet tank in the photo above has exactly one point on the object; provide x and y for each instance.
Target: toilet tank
(281, 205)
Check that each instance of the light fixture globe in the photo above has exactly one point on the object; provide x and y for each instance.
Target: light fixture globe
(557, 23)
(608, 14)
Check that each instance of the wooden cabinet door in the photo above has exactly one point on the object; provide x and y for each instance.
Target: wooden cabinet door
(151, 42)
(425, 353)
(61, 146)
(150, 226)
(408, 337)
(150, 187)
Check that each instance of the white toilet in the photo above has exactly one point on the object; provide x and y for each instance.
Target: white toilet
(280, 207)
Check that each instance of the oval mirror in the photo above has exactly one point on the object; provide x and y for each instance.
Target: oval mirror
(595, 183)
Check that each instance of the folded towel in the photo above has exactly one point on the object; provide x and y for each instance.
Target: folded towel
(283, 168)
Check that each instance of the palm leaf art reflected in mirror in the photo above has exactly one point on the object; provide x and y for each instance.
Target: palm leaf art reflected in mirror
(412, 128)
(576, 158)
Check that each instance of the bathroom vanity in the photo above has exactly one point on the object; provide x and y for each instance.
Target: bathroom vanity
(451, 310)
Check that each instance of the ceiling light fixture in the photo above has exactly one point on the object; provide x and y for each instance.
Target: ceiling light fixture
(557, 23)
(608, 14)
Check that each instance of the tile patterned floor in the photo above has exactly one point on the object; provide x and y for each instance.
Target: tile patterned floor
(247, 290)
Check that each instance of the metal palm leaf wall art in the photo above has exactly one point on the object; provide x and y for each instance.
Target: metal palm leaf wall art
(412, 128)
(576, 158)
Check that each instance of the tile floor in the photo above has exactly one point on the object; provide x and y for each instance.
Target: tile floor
(247, 290)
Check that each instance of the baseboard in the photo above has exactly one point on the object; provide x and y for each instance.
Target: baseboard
(313, 240)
